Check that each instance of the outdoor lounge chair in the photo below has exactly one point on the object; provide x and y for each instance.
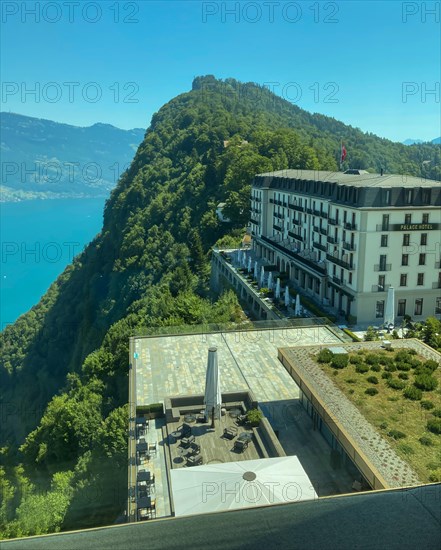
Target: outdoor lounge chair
(230, 433)
(194, 449)
(195, 460)
(187, 441)
(185, 430)
(240, 445)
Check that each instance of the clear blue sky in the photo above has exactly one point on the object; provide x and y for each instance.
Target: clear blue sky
(358, 53)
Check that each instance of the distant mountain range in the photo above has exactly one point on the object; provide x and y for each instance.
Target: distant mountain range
(411, 141)
(46, 159)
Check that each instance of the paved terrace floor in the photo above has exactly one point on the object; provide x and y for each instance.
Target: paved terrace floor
(176, 365)
(215, 448)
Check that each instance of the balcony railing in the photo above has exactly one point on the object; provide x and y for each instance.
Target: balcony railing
(324, 215)
(382, 267)
(316, 212)
(277, 227)
(295, 236)
(349, 246)
(254, 221)
(331, 240)
(350, 226)
(436, 284)
(382, 227)
(297, 222)
(323, 231)
(305, 261)
(341, 263)
(437, 265)
(296, 207)
(316, 228)
(332, 221)
(320, 246)
(277, 215)
(309, 210)
(380, 288)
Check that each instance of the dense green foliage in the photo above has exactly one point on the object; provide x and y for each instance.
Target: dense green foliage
(64, 364)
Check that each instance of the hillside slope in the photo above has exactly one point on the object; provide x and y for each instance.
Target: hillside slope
(63, 372)
(46, 159)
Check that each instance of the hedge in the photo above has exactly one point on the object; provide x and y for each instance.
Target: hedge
(434, 425)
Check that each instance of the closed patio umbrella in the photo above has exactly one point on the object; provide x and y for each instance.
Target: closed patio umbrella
(256, 270)
(287, 296)
(278, 288)
(262, 276)
(389, 313)
(298, 309)
(270, 280)
(249, 264)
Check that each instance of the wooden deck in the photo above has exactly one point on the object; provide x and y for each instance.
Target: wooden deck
(215, 448)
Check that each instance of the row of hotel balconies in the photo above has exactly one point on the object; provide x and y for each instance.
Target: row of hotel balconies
(332, 221)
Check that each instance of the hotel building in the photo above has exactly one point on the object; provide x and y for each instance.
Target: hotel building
(345, 238)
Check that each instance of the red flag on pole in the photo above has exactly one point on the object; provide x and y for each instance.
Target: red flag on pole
(343, 153)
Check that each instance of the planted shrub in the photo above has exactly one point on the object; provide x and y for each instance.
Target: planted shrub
(431, 365)
(434, 425)
(426, 441)
(402, 355)
(437, 413)
(383, 425)
(390, 368)
(339, 361)
(425, 382)
(395, 384)
(435, 476)
(386, 375)
(403, 376)
(372, 379)
(403, 366)
(396, 434)
(351, 380)
(362, 369)
(414, 363)
(385, 360)
(324, 356)
(413, 393)
(427, 404)
(356, 360)
(371, 391)
(372, 359)
(376, 368)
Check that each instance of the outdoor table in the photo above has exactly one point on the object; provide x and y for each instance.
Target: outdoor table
(190, 418)
(140, 420)
(141, 447)
(143, 475)
(144, 502)
(234, 413)
(177, 434)
(245, 436)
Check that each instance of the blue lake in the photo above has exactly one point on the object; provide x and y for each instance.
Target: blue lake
(39, 238)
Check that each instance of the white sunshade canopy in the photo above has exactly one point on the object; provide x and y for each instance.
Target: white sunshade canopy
(235, 485)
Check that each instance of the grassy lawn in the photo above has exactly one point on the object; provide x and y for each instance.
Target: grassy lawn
(390, 410)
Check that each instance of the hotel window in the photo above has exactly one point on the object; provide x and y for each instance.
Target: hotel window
(422, 259)
(350, 277)
(438, 305)
(401, 312)
(386, 198)
(420, 279)
(383, 240)
(381, 282)
(409, 196)
(406, 239)
(385, 223)
(345, 216)
(426, 196)
(423, 239)
(419, 306)
(403, 280)
(408, 219)
(379, 309)
(426, 217)
(405, 259)
(382, 262)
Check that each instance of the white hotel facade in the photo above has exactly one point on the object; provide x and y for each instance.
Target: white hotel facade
(345, 238)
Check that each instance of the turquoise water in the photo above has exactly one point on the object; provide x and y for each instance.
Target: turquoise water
(38, 239)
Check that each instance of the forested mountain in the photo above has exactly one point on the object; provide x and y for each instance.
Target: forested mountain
(63, 373)
(46, 159)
